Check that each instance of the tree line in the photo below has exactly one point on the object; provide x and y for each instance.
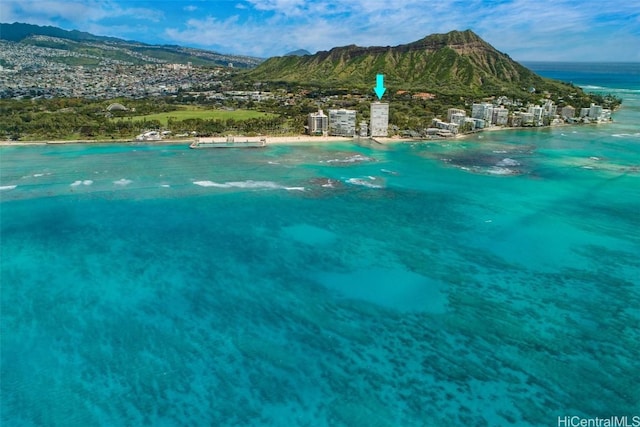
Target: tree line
(72, 118)
(69, 119)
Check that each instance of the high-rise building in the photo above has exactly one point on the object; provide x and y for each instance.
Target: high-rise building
(538, 114)
(342, 122)
(318, 123)
(500, 116)
(595, 111)
(452, 111)
(379, 119)
(457, 118)
(482, 111)
(568, 112)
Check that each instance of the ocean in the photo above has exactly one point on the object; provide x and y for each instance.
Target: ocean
(487, 281)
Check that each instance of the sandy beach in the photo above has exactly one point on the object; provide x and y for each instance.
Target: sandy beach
(271, 140)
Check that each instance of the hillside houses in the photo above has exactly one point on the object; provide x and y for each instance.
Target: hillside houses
(32, 71)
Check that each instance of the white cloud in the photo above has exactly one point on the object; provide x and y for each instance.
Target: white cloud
(544, 29)
(284, 7)
(78, 12)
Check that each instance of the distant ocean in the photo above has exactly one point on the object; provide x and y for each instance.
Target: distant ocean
(488, 281)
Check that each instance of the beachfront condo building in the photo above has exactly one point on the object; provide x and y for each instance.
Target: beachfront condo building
(318, 123)
(379, 119)
(342, 122)
(568, 112)
(500, 116)
(455, 111)
(482, 111)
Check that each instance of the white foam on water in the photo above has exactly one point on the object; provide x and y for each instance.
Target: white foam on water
(249, 184)
(351, 159)
(253, 184)
(209, 184)
(363, 182)
(37, 175)
(7, 187)
(508, 162)
(122, 181)
(165, 185)
(79, 183)
(76, 183)
(623, 135)
(87, 182)
(592, 87)
(500, 171)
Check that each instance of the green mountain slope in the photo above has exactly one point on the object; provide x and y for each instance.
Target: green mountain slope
(94, 47)
(456, 62)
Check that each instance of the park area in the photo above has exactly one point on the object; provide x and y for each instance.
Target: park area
(186, 113)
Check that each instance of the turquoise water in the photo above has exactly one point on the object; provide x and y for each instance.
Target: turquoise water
(488, 281)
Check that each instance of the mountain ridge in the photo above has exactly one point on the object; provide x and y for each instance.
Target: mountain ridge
(129, 50)
(455, 62)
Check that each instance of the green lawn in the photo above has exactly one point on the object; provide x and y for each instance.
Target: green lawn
(198, 113)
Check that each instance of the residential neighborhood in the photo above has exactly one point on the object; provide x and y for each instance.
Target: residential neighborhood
(32, 71)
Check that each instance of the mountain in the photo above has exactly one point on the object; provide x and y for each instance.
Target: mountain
(299, 52)
(89, 48)
(458, 62)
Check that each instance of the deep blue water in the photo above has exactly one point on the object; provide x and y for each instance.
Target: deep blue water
(616, 75)
(487, 281)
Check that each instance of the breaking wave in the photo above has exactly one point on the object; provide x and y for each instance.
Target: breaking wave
(351, 159)
(623, 135)
(501, 171)
(7, 187)
(122, 182)
(369, 182)
(248, 185)
(508, 162)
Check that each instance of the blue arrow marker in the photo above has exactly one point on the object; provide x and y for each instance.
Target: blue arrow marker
(380, 89)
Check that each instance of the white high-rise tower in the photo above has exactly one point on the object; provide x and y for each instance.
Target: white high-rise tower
(379, 119)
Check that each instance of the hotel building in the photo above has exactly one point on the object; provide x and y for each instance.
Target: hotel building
(318, 123)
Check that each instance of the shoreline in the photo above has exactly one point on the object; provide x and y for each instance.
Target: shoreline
(271, 140)
(283, 140)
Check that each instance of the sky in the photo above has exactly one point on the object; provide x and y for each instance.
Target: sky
(526, 30)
